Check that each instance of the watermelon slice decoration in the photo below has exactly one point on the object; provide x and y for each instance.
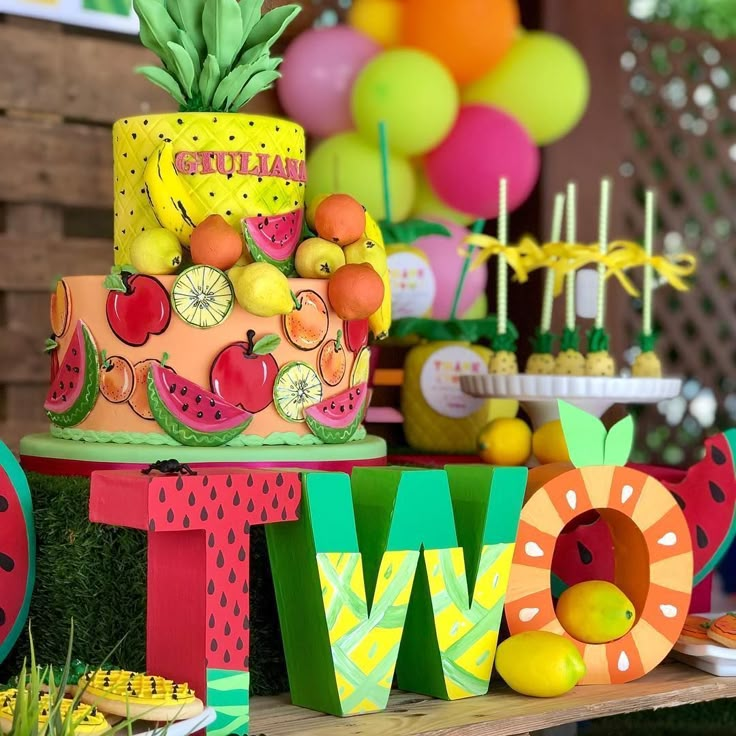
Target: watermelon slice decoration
(707, 497)
(274, 239)
(75, 387)
(17, 550)
(190, 414)
(336, 419)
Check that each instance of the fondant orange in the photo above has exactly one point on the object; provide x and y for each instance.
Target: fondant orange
(190, 352)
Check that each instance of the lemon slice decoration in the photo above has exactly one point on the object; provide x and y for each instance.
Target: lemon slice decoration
(361, 367)
(297, 387)
(202, 296)
(85, 718)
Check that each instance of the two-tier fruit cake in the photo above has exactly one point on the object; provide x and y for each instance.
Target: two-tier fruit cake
(233, 326)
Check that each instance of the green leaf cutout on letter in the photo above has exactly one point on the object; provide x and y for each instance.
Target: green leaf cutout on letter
(588, 442)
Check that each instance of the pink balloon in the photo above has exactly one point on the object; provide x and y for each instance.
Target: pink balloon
(485, 145)
(318, 72)
(446, 265)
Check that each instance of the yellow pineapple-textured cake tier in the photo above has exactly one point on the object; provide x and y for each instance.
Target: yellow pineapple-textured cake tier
(230, 164)
(129, 334)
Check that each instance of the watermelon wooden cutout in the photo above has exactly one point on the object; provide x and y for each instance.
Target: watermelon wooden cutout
(346, 576)
(654, 558)
(75, 388)
(707, 496)
(198, 614)
(336, 419)
(190, 414)
(17, 550)
(274, 238)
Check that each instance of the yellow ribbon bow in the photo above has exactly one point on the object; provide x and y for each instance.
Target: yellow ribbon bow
(564, 258)
(522, 258)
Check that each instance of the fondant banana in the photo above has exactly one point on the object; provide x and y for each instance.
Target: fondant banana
(173, 203)
(380, 321)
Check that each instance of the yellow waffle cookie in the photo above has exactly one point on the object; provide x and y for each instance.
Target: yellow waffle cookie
(86, 719)
(140, 696)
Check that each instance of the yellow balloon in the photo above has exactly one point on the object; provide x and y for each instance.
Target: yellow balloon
(379, 19)
(347, 164)
(542, 82)
(426, 202)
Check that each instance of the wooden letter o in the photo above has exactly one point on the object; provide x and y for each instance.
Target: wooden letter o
(654, 565)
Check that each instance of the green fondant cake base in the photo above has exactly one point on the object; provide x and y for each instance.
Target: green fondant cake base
(96, 575)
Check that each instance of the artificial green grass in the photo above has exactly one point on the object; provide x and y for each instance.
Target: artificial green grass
(96, 575)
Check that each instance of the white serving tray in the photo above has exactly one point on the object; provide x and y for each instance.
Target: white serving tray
(712, 658)
(178, 728)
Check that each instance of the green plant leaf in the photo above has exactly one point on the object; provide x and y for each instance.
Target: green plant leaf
(184, 67)
(187, 14)
(157, 27)
(191, 49)
(619, 442)
(266, 345)
(410, 230)
(161, 78)
(250, 13)
(222, 28)
(585, 435)
(271, 26)
(257, 83)
(209, 79)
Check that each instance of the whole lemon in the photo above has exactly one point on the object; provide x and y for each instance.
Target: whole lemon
(505, 441)
(540, 664)
(595, 612)
(548, 443)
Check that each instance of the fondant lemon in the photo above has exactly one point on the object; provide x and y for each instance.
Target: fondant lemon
(156, 252)
(540, 664)
(595, 612)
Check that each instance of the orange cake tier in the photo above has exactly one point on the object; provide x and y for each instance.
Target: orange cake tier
(133, 355)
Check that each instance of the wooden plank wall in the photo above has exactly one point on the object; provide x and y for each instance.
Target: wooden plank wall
(60, 91)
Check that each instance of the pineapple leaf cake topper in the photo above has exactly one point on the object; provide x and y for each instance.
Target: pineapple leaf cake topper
(216, 54)
(589, 443)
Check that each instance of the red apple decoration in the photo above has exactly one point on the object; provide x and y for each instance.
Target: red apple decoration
(356, 334)
(244, 373)
(137, 307)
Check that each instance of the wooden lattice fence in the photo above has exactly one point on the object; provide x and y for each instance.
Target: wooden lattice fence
(680, 106)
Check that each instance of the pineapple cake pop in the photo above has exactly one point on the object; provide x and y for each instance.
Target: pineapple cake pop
(570, 361)
(599, 361)
(541, 361)
(503, 344)
(647, 363)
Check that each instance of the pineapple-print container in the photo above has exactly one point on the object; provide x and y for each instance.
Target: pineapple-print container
(438, 416)
(235, 165)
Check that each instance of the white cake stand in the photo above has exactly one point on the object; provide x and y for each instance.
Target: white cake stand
(539, 394)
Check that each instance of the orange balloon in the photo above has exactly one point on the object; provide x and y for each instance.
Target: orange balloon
(468, 36)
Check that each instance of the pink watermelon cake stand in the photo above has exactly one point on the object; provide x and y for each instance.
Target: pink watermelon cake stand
(539, 394)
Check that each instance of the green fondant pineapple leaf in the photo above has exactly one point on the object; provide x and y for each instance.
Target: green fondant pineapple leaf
(233, 87)
(250, 13)
(542, 342)
(183, 66)
(570, 339)
(252, 54)
(410, 230)
(598, 340)
(187, 14)
(465, 330)
(161, 78)
(193, 52)
(257, 83)
(157, 27)
(647, 343)
(506, 342)
(271, 26)
(223, 30)
(50, 345)
(208, 80)
(585, 435)
(619, 441)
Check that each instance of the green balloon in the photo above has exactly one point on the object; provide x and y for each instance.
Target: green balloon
(413, 93)
(542, 82)
(347, 164)
(426, 202)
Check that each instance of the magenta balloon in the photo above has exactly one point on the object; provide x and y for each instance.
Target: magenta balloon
(446, 265)
(318, 72)
(484, 145)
